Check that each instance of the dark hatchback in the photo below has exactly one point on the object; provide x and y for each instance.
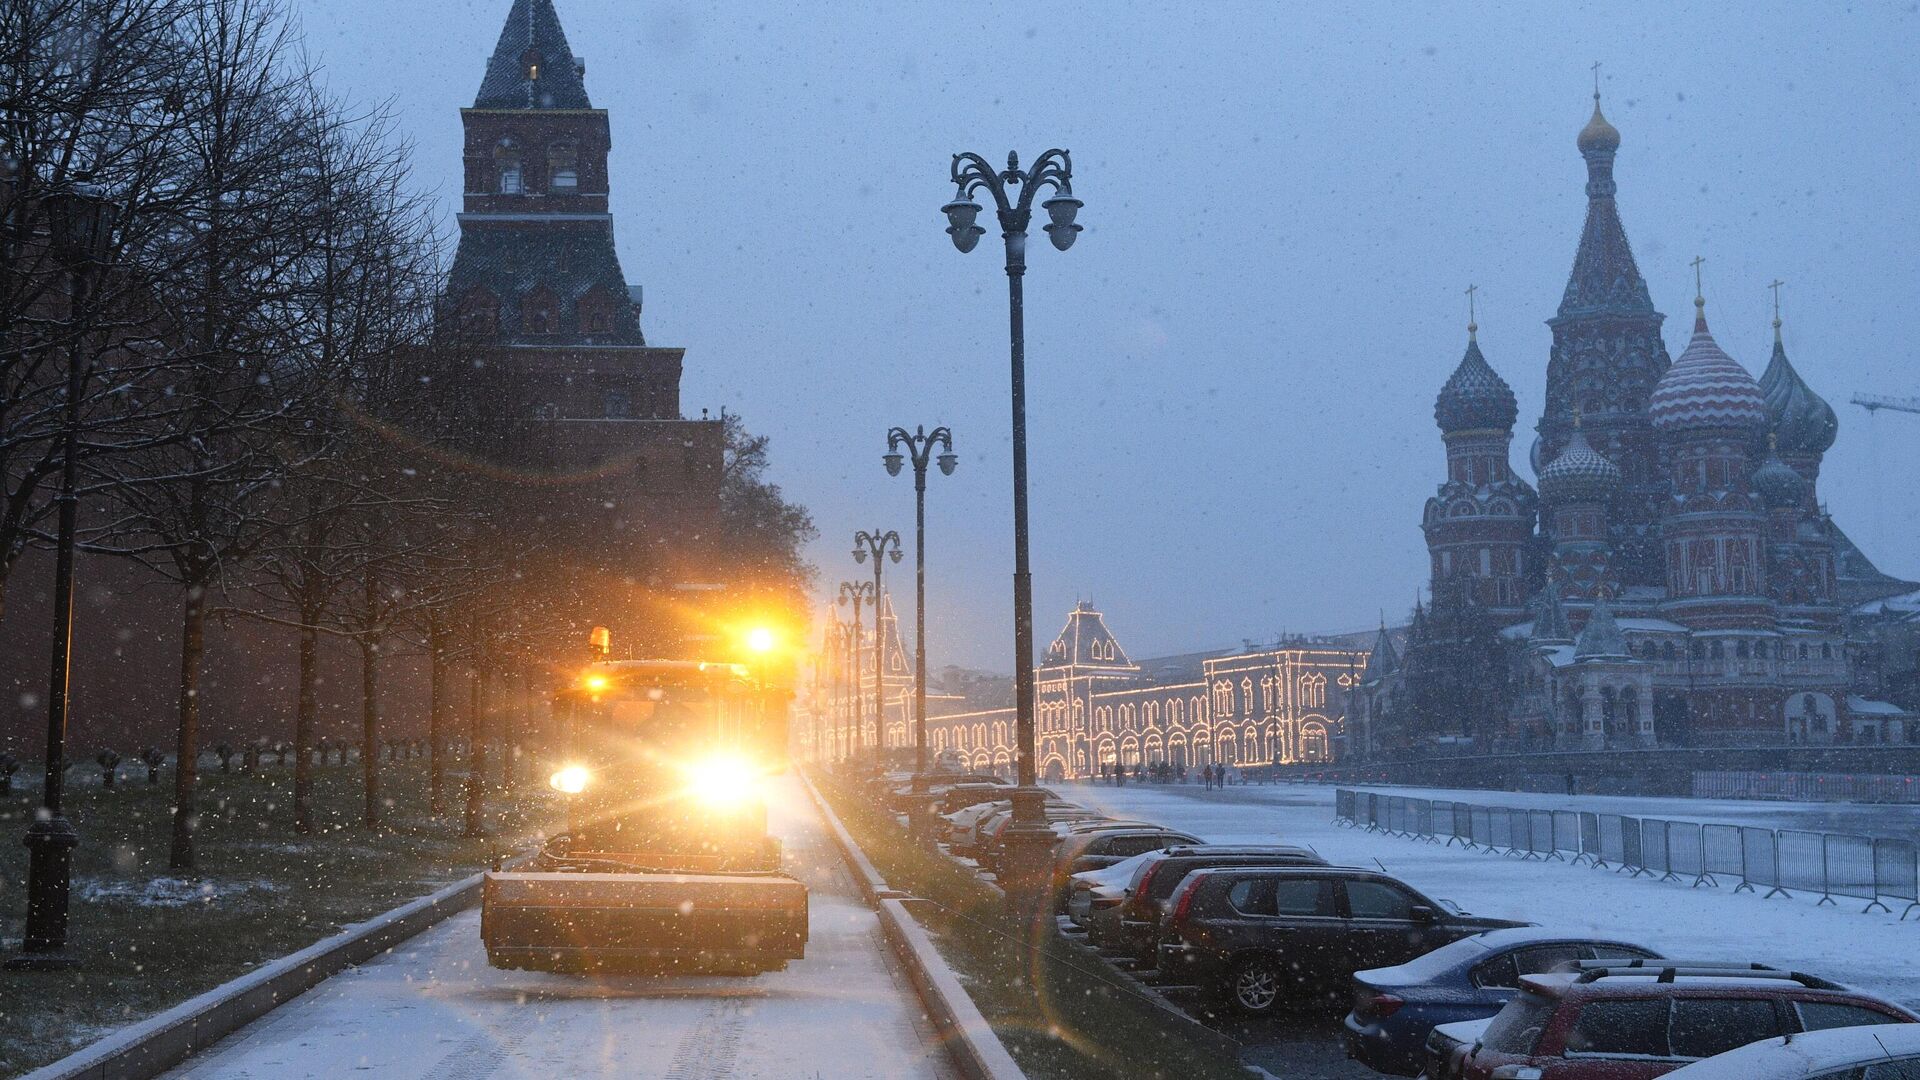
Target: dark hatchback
(1134, 925)
(1395, 1007)
(1275, 935)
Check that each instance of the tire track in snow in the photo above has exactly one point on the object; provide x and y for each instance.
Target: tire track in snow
(708, 1050)
(477, 1058)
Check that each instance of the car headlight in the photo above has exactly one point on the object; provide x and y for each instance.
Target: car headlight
(722, 781)
(571, 780)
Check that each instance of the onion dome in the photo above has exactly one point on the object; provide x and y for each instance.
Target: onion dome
(1705, 387)
(1777, 483)
(1601, 637)
(1598, 134)
(1802, 421)
(1580, 473)
(1475, 396)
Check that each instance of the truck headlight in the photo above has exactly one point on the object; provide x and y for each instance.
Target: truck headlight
(571, 780)
(722, 781)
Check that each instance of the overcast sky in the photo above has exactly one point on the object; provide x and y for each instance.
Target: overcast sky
(1232, 374)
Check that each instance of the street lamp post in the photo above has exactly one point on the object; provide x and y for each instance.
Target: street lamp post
(81, 226)
(879, 545)
(919, 450)
(857, 593)
(1013, 191)
(849, 686)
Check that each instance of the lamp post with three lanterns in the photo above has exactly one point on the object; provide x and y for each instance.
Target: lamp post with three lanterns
(879, 545)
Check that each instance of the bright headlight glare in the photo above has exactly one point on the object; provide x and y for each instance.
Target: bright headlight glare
(722, 781)
(595, 683)
(571, 780)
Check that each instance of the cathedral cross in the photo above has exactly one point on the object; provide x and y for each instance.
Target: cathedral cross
(1596, 80)
(1472, 323)
(1698, 292)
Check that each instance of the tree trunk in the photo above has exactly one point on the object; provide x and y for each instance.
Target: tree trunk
(193, 629)
(436, 715)
(477, 754)
(305, 708)
(370, 727)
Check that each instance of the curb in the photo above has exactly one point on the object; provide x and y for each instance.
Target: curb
(1222, 1043)
(158, 1043)
(969, 1040)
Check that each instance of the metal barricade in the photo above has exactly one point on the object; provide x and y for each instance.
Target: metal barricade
(1896, 872)
(1501, 838)
(1803, 861)
(1720, 854)
(1540, 834)
(1760, 858)
(1463, 824)
(1631, 857)
(1343, 806)
(1566, 834)
(1590, 839)
(1687, 852)
(1480, 826)
(1397, 815)
(1653, 849)
(1848, 865)
(1422, 818)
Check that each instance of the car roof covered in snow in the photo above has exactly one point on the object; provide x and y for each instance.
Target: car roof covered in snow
(1808, 1053)
(1473, 948)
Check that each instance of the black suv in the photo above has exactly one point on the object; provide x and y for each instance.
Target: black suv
(1261, 936)
(1134, 927)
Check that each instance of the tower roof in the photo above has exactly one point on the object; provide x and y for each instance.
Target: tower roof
(1801, 420)
(1776, 481)
(1580, 473)
(1475, 396)
(532, 67)
(1383, 660)
(1601, 637)
(1550, 623)
(1086, 642)
(1705, 387)
(1605, 279)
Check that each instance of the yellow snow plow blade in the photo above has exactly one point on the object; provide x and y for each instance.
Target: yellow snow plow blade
(667, 923)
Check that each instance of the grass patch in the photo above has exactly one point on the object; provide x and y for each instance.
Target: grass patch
(1059, 1013)
(148, 938)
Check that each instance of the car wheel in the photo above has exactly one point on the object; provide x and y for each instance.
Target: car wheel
(1254, 987)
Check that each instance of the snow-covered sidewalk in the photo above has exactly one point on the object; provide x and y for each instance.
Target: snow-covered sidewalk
(1872, 951)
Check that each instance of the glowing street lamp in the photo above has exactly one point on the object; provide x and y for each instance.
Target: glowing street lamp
(856, 593)
(878, 544)
(919, 446)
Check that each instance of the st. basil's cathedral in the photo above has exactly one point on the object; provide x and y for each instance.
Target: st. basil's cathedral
(1674, 578)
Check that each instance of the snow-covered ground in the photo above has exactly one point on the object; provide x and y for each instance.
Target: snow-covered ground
(1873, 951)
(433, 1008)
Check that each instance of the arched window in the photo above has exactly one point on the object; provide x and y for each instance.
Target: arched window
(1246, 695)
(596, 312)
(563, 167)
(480, 313)
(1740, 649)
(506, 164)
(1222, 698)
(539, 313)
(1826, 650)
(1716, 649)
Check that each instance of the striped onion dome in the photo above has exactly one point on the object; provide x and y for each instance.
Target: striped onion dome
(1706, 388)
(1579, 474)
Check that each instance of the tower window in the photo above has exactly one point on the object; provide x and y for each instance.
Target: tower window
(538, 315)
(506, 160)
(530, 60)
(563, 165)
(619, 404)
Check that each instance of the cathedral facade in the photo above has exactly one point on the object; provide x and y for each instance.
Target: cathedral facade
(1672, 578)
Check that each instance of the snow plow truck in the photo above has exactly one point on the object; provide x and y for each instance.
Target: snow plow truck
(666, 866)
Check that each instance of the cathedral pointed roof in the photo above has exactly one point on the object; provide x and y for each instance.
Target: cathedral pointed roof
(1383, 661)
(1086, 642)
(1475, 396)
(1705, 387)
(1601, 637)
(532, 67)
(1605, 279)
(1776, 481)
(1801, 420)
(1550, 623)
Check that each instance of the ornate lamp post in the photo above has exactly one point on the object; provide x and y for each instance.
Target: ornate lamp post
(1013, 192)
(878, 544)
(857, 593)
(80, 222)
(919, 449)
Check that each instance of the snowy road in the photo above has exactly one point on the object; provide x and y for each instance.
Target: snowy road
(1872, 951)
(434, 1010)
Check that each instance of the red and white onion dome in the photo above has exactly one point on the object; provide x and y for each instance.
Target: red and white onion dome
(1706, 388)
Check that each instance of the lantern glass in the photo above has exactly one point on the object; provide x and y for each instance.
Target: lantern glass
(948, 461)
(893, 462)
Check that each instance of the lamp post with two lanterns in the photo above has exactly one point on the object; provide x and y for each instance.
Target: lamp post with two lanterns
(80, 225)
(880, 545)
(919, 446)
(1013, 192)
(857, 593)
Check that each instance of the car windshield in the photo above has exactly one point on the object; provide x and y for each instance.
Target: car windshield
(1518, 1026)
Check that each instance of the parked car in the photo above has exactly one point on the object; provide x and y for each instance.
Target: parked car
(1096, 848)
(992, 834)
(1103, 888)
(1470, 979)
(1447, 1047)
(901, 796)
(1647, 1018)
(1266, 936)
(1879, 1052)
(960, 796)
(1134, 926)
(964, 827)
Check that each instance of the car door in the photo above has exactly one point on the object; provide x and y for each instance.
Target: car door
(1304, 930)
(1381, 930)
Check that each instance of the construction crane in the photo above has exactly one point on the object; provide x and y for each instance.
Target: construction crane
(1873, 403)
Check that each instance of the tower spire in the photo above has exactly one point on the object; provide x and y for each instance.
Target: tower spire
(1775, 286)
(1699, 295)
(1473, 325)
(532, 67)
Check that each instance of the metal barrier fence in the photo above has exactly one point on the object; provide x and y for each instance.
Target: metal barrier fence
(1779, 861)
(1807, 786)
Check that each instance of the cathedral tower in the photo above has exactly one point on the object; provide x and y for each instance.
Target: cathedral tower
(1479, 522)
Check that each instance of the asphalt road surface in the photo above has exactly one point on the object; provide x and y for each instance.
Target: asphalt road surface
(432, 1009)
